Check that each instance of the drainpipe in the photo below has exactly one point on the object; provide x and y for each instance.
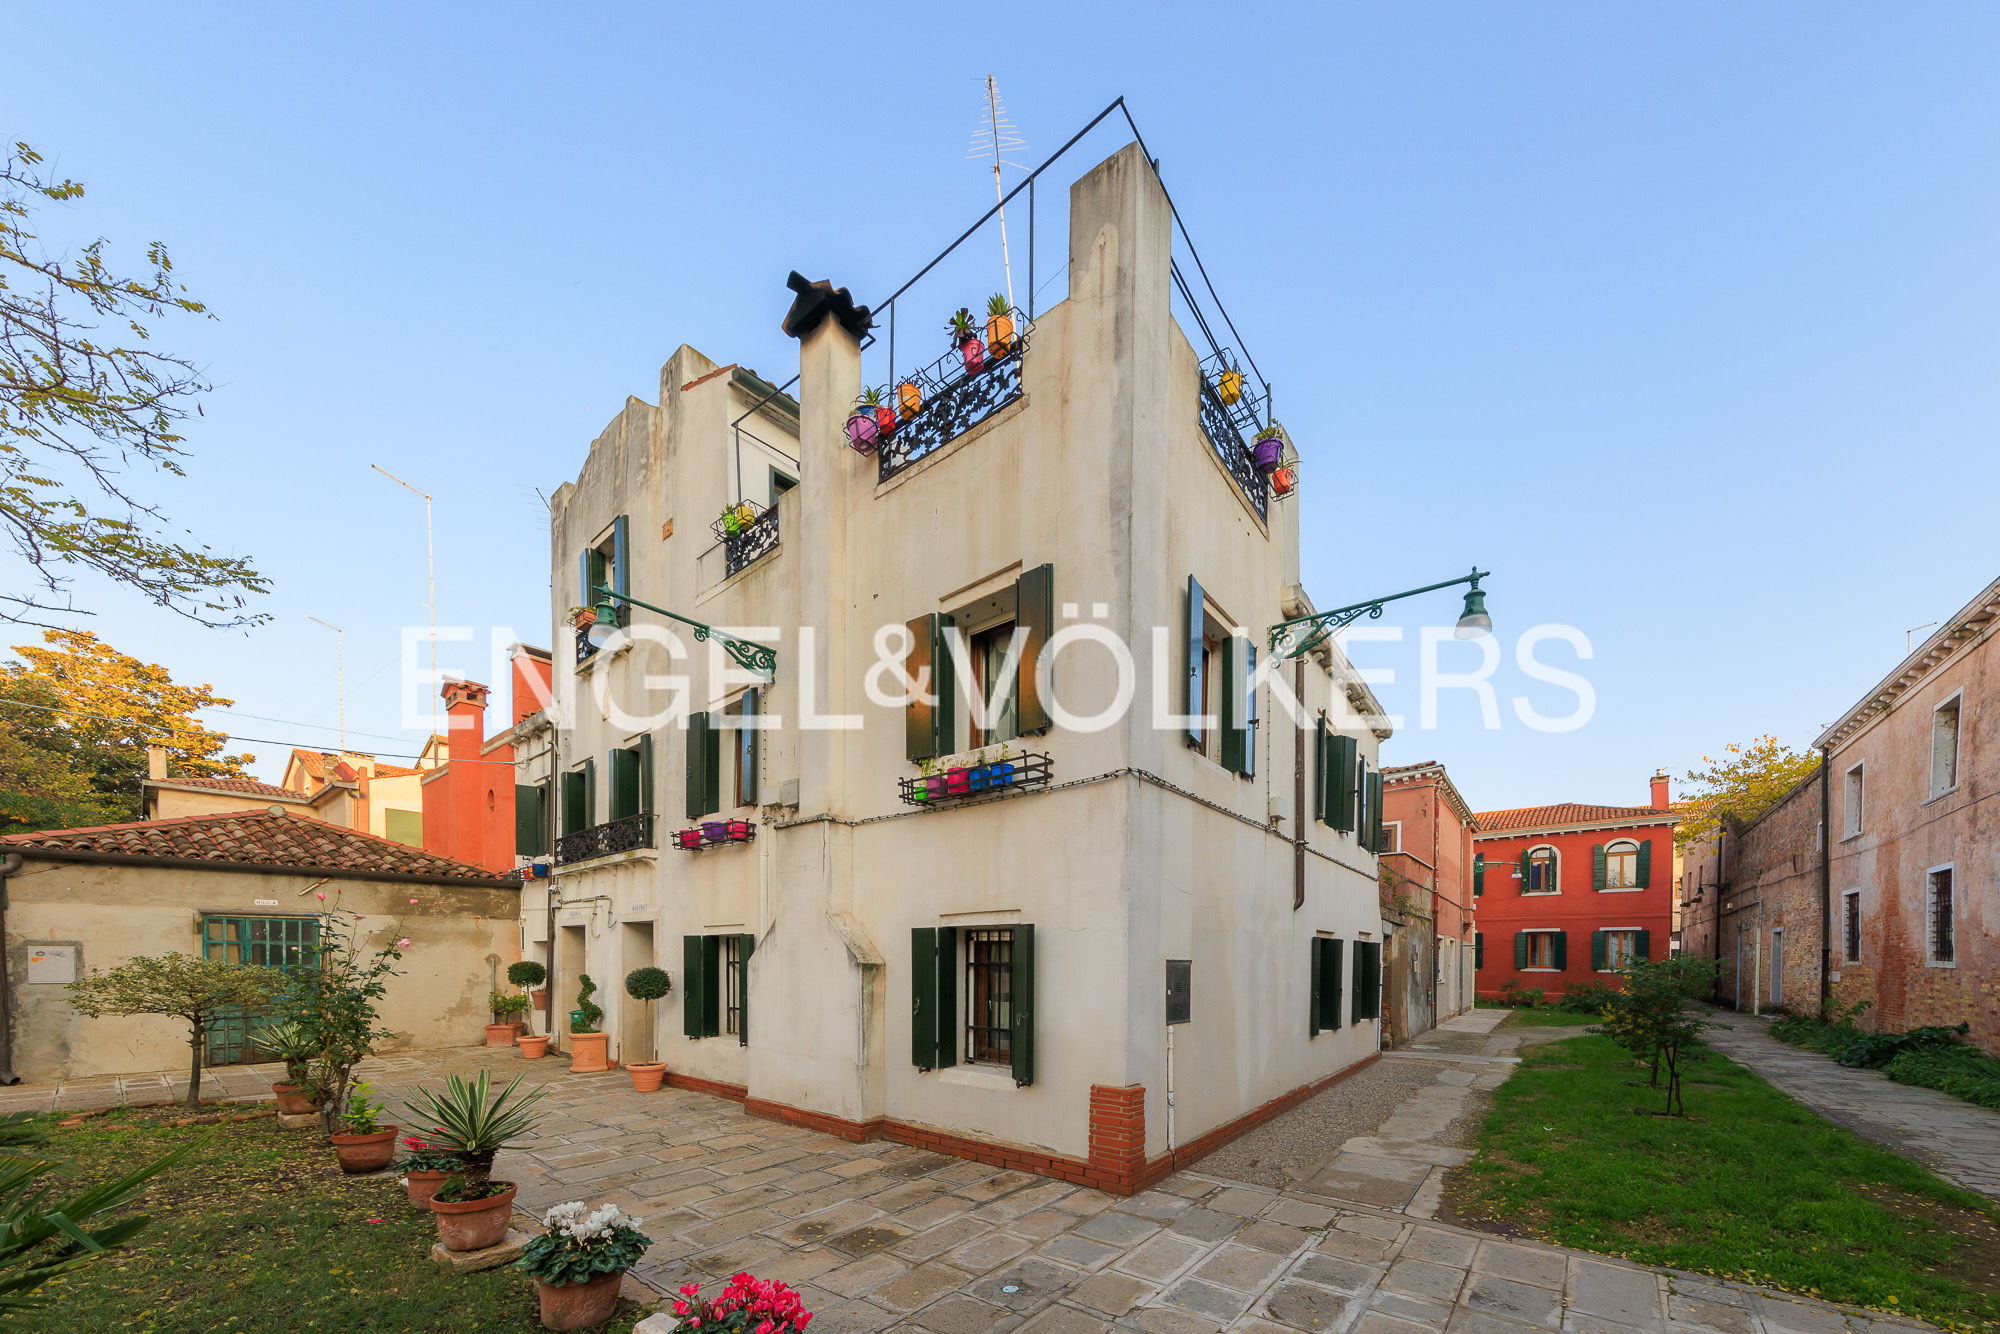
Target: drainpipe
(1825, 878)
(1299, 825)
(9, 864)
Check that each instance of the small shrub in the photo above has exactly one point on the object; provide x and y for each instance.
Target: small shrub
(1587, 997)
(1962, 1071)
(589, 1012)
(527, 973)
(1520, 997)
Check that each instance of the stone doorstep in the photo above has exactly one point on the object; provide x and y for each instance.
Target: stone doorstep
(507, 1250)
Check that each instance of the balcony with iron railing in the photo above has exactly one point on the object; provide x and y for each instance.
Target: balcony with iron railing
(629, 833)
(931, 406)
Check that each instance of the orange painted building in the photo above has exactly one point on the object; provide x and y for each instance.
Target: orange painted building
(1570, 893)
(469, 799)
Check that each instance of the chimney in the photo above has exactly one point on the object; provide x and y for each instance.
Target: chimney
(156, 764)
(531, 687)
(1661, 801)
(465, 702)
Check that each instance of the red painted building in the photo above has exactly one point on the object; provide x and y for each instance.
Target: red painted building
(1568, 894)
(469, 812)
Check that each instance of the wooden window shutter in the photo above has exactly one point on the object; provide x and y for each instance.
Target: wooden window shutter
(1645, 863)
(711, 982)
(1342, 792)
(646, 773)
(1597, 858)
(589, 793)
(930, 729)
(694, 988)
(527, 821)
(1335, 968)
(1239, 706)
(1034, 615)
(1478, 950)
(624, 783)
(1315, 1006)
(712, 763)
(1478, 874)
(1193, 642)
(697, 766)
(1521, 949)
(746, 746)
(1642, 943)
(590, 574)
(1322, 765)
(746, 945)
(1367, 978)
(573, 815)
(1524, 873)
(1375, 831)
(621, 566)
(1596, 951)
(1024, 1005)
(924, 997)
(1562, 950)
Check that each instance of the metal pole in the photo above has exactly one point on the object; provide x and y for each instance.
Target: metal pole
(430, 580)
(339, 676)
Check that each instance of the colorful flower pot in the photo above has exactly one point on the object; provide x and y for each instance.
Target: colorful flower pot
(1229, 387)
(975, 778)
(1284, 479)
(687, 838)
(1267, 454)
(885, 421)
(862, 432)
(1000, 334)
(738, 831)
(973, 353)
(920, 792)
(935, 786)
(731, 524)
(909, 400)
(1000, 775)
(715, 830)
(957, 782)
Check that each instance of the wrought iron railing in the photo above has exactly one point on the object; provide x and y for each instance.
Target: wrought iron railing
(601, 840)
(954, 401)
(1014, 773)
(752, 542)
(1226, 424)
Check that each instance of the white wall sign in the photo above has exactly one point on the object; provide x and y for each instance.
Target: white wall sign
(52, 963)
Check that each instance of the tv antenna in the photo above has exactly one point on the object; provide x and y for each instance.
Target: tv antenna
(340, 675)
(430, 579)
(995, 138)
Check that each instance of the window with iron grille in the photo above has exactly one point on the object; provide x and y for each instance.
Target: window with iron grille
(989, 996)
(1942, 932)
(732, 985)
(1850, 926)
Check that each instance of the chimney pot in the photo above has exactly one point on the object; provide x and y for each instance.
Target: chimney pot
(1662, 800)
(156, 764)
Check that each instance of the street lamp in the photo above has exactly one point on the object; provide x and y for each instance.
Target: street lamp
(1474, 623)
(605, 619)
(1293, 637)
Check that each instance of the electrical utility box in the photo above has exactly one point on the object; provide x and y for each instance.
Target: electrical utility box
(1180, 999)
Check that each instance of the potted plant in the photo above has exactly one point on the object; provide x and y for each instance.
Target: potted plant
(363, 1143)
(290, 1042)
(909, 400)
(966, 339)
(738, 831)
(424, 1167)
(864, 424)
(577, 1261)
(504, 1028)
(1229, 385)
(746, 1303)
(687, 838)
(732, 523)
(921, 790)
(586, 1043)
(529, 976)
(533, 1046)
(647, 985)
(581, 618)
(1284, 479)
(999, 325)
(475, 1125)
(1269, 449)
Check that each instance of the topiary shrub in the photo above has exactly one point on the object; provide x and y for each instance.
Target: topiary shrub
(588, 1011)
(648, 984)
(527, 974)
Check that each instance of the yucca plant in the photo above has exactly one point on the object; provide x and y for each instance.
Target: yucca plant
(291, 1042)
(469, 1120)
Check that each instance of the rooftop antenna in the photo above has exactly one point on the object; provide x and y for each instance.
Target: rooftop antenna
(1910, 636)
(995, 138)
(431, 580)
(340, 675)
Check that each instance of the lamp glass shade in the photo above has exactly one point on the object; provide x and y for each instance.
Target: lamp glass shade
(1474, 622)
(606, 624)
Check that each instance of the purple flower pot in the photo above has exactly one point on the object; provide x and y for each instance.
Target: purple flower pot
(715, 830)
(862, 432)
(1266, 455)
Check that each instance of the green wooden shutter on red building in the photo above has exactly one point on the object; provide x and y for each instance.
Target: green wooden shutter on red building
(1598, 877)
(1645, 863)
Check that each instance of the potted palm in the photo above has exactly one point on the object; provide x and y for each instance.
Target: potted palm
(529, 976)
(474, 1125)
(290, 1041)
(966, 339)
(586, 1043)
(577, 1261)
(363, 1143)
(999, 325)
(647, 985)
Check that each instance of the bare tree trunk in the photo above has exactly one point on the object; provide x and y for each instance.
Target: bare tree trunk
(194, 1065)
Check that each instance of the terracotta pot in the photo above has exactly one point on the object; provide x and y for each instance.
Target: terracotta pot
(1000, 333)
(473, 1225)
(534, 1046)
(292, 1101)
(578, 1305)
(587, 1053)
(499, 1035)
(365, 1153)
(540, 996)
(422, 1185)
(646, 1075)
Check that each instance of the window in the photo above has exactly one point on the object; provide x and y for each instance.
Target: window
(632, 779)
(780, 483)
(1618, 949)
(1621, 865)
(1339, 763)
(1541, 950)
(1540, 871)
(1367, 999)
(999, 688)
(1852, 803)
(989, 997)
(1941, 931)
(733, 959)
(1944, 747)
(745, 712)
(1392, 836)
(1221, 701)
(1850, 926)
(990, 972)
(943, 660)
(1327, 977)
(579, 798)
(607, 564)
(715, 986)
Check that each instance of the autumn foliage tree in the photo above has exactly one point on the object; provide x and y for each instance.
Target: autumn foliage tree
(76, 716)
(83, 410)
(1734, 790)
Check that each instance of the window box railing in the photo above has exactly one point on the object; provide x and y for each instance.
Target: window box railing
(714, 834)
(626, 834)
(960, 782)
(750, 543)
(1230, 410)
(950, 400)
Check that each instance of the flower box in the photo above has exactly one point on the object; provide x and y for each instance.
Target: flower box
(687, 838)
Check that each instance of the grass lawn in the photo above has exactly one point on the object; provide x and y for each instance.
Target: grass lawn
(1750, 1186)
(1547, 1016)
(260, 1232)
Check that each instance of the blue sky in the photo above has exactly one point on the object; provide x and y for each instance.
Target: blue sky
(1683, 319)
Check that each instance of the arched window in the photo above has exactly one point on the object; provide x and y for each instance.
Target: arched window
(1621, 865)
(1543, 871)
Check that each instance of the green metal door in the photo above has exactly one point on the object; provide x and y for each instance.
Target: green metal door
(273, 942)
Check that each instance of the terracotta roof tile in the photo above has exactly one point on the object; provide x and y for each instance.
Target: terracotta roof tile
(248, 787)
(251, 838)
(1565, 812)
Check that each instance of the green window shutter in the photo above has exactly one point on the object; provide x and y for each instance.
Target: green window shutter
(1642, 945)
(1478, 950)
(746, 945)
(1375, 831)
(527, 821)
(1034, 615)
(1596, 951)
(712, 763)
(746, 745)
(1645, 863)
(646, 773)
(1562, 950)
(1520, 949)
(1597, 873)
(572, 801)
(1229, 708)
(1524, 873)
(621, 566)
(711, 982)
(1478, 874)
(1024, 1005)
(697, 766)
(923, 997)
(1322, 766)
(590, 574)
(589, 793)
(1191, 636)
(1335, 966)
(1316, 1005)
(624, 783)
(1247, 688)
(1359, 1006)
(694, 986)
(945, 717)
(1342, 794)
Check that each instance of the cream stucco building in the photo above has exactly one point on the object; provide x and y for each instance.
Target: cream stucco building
(982, 966)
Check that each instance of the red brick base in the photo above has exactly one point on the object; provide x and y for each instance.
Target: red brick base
(1117, 1164)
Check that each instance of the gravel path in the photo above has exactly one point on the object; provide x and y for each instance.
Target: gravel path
(1289, 1149)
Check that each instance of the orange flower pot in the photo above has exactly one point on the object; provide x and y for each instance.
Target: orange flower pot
(292, 1100)
(587, 1054)
(534, 1046)
(422, 1185)
(578, 1305)
(1000, 334)
(909, 400)
(365, 1153)
(500, 1035)
(473, 1225)
(646, 1075)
